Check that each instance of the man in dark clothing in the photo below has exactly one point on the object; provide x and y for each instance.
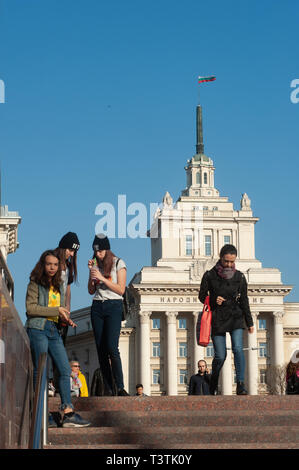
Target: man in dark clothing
(200, 382)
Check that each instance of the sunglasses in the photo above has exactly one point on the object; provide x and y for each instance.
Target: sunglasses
(75, 365)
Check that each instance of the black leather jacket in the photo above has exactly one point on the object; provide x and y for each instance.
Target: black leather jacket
(234, 313)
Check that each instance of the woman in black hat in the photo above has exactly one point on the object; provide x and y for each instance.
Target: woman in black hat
(107, 282)
(67, 254)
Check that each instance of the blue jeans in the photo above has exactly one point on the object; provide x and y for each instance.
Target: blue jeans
(219, 343)
(49, 341)
(106, 323)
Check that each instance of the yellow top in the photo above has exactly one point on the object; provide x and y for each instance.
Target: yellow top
(54, 301)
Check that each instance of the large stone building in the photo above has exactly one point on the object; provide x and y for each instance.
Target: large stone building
(158, 343)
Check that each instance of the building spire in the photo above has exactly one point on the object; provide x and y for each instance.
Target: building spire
(199, 134)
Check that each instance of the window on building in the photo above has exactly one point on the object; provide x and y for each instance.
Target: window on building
(183, 377)
(156, 376)
(156, 349)
(188, 245)
(182, 349)
(226, 239)
(205, 208)
(156, 323)
(182, 323)
(215, 208)
(262, 324)
(263, 376)
(262, 349)
(205, 178)
(210, 350)
(198, 178)
(208, 245)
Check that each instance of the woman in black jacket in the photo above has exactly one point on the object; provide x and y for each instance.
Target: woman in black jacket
(227, 288)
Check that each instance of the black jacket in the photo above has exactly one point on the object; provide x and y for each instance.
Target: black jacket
(199, 384)
(234, 313)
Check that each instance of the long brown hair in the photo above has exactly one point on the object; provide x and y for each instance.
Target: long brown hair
(292, 367)
(71, 264)
(107, 262)
(39, 276)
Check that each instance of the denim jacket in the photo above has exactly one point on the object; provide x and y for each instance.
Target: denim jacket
(38, 296)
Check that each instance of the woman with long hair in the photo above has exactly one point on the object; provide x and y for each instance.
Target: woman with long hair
(107, 282)
(227, 288)
(45, 305)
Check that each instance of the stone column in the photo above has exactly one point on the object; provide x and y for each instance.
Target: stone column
(226, 371)
(172, 353)
(252, 360)
(278, 339)
(145, 353)
(199, 351)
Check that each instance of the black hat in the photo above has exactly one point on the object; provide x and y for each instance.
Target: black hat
(70, 241)
(100, 242)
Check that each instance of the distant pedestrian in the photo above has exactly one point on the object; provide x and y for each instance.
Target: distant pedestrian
(139, 391)
(227, 288)
(292, 375)
(200, 383)
(45, 305)
(78, 382)
(107, 282)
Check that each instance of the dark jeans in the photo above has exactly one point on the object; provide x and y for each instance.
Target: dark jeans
(219, 343)
(106, 323)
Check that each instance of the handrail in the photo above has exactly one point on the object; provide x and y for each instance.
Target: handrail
(40, 400)
(6, 276)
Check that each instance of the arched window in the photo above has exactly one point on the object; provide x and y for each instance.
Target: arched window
(198, 178)
(205, 178)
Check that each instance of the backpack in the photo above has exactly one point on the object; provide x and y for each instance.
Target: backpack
(125, 301)
(293, 385)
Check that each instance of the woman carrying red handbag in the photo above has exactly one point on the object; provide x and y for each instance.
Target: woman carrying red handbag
(227, 291)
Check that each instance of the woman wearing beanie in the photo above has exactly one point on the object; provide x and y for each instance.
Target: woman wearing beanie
(227, 288)
(107, 282)
(67, 254)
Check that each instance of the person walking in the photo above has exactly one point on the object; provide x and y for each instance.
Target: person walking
(227, 288)
(200, 383)
(45, 305)
(107, 282)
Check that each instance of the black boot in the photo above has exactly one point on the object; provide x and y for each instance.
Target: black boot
(122, 393)
(213, 386)
(241, 389)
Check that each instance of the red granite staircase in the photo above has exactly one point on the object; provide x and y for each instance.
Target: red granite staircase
(197, 422)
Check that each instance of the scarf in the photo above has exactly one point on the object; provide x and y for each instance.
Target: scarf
(225, 273)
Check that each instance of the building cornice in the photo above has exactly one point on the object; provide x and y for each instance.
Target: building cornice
(253, 289)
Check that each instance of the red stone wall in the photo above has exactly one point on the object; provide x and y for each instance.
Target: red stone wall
(15, 376)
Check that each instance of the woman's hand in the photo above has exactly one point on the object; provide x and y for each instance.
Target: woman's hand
(64, 314)
(220, 300)
(96, 274)
(251, 329)
(90, 263)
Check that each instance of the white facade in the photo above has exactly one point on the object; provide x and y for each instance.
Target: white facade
(158, 345)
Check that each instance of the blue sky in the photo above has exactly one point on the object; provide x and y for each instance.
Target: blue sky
(100, 100)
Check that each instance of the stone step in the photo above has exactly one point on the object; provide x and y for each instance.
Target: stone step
(158, 437)
(182, 446)
(186, 403)
(192, 418)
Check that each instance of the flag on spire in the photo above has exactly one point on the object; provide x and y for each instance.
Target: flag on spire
(206, 79)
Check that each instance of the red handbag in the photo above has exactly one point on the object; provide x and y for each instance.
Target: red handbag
(203, 326)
